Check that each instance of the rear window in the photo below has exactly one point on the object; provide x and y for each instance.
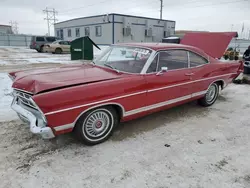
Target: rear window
(50, 39)
(40, 39)
(64, 42)
(196, 60)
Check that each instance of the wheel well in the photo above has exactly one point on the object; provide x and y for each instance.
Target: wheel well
(58, 48)
(118, 108)
(220, 83)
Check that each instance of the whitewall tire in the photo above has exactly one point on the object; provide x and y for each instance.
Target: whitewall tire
(210, 96)
(97, 125)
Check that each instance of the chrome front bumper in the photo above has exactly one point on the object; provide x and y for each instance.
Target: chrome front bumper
(33, 121)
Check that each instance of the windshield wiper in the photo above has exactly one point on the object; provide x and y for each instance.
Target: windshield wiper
(110, 66)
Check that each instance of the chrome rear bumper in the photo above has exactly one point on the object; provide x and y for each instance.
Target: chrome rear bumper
(32, 120)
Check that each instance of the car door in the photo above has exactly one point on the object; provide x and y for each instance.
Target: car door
(171, 86)
(64, 45)
(67, 46)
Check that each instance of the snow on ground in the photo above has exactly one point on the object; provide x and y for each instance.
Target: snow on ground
(187, 146)
(6, 113)
(23, 55)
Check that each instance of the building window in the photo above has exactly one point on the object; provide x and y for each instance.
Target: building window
(69, 32)
(98, 31)
(58, 33)
(86, 31)
(77, 32)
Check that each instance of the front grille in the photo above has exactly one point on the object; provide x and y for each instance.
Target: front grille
(24, 98)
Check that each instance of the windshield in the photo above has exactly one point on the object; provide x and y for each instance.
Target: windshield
(125, 59)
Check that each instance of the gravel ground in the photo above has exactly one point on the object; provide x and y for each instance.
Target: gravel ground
(186, 146)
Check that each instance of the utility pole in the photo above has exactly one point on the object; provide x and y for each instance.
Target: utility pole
(50, 17)
(161, 9)
(14, 27)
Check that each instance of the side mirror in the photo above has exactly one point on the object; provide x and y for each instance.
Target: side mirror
(163, 69)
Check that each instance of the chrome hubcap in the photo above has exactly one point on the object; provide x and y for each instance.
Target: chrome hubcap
(97, 124)
(211, 93)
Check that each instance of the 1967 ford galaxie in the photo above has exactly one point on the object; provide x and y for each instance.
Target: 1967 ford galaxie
(126, 82)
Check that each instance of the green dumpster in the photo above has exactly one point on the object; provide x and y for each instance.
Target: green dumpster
(82, 48)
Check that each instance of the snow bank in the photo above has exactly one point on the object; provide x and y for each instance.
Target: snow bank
(6, 113)
(21, 55)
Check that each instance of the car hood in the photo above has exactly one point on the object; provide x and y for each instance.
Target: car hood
(213, 43)
(48, 79)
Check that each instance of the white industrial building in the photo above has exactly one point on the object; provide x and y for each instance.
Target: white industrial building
(5, 29)
(115, 28)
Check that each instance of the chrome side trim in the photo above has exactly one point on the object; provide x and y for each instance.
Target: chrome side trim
(157, 89)
(132, 112)
(138, 110)
(138, 93)
(199, 93)
(98, 102)
(158, 105)
(64, 127)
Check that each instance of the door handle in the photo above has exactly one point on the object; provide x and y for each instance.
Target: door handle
(189, 74)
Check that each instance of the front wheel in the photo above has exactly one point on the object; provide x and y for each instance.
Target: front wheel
(58, 51)
(96, 126)
(211, 95)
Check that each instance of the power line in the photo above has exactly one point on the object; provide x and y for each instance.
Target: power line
(14, 26)
(161, 9)
(214, 4)
(108, 1)
(86, 6)
(50, 17)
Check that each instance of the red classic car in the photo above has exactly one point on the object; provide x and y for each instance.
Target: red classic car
(125, 82)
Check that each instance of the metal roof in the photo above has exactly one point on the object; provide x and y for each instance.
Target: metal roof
(116, 15)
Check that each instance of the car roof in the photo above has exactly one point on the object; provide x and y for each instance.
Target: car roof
(164, 46)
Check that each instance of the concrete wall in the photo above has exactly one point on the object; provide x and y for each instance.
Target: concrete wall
(15, 40)
(92, 22)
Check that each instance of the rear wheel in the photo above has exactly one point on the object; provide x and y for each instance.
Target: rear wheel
(211, 95)
(97, 125)
(58, 51)
(39, 50)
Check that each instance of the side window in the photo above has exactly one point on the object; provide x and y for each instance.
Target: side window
(63, 42)
(77, 32)
(50, 39)
(86, 31)
(40, 39)
(58, 33)
(153, 66)
(98, 31)
(173, 59)
(69, 32)
(196, 60)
